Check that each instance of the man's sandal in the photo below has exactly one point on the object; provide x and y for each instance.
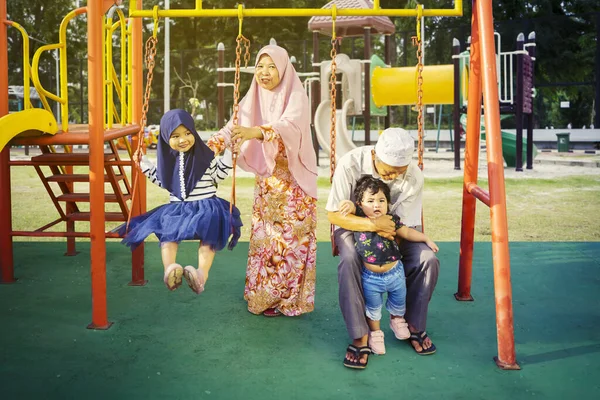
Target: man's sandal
(357, 352)
(420, 337)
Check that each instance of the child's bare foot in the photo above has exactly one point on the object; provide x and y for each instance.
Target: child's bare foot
(173, 276)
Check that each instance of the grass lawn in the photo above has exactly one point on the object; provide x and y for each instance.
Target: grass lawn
(561, 209)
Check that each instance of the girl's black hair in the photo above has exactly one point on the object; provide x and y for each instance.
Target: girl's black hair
(373, 185)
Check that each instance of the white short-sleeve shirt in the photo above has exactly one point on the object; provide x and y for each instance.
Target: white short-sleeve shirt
(406, 191)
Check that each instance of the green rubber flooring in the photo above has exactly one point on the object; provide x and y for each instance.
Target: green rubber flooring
(176, 345)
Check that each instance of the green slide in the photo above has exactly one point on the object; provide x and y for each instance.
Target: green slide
(509, 143)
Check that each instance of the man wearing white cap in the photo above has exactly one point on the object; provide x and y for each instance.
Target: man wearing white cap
(391, 161)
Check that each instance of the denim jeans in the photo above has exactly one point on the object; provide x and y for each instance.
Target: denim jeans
(375, 285)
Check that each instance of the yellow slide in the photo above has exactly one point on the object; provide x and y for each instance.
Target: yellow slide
(33, 119)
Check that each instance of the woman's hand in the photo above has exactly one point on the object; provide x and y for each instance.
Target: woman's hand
(239, 134)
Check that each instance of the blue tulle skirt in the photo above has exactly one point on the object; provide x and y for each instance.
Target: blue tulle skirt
(207, 220)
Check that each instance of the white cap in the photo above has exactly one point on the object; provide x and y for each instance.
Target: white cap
(395, 147)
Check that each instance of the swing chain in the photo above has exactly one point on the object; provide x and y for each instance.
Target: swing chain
(150, 62)
(137, 155)
(417, 40)
(236, 97)
(236, 82)
(419, 43)
(332, 86)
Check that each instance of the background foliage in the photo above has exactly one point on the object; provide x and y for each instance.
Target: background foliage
(566, 35)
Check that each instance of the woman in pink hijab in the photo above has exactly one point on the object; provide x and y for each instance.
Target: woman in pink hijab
(274, 142)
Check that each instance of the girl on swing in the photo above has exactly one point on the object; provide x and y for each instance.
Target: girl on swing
(188, 169)
(274, 142)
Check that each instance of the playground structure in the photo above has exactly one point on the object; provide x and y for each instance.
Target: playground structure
(385, 86)
(515, 88)
(108, 123)
(354, 84)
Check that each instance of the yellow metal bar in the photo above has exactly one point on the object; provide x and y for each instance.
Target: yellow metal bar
(62, 47)
(64, 91)
(116, 116)
(115, 79)
(457, 11)
(26, 66)
(376, 5)
(123, 88)
(198, 4)
(105, 115)
(129, 72)
(119, 89)
(108, 64)
(34, 71)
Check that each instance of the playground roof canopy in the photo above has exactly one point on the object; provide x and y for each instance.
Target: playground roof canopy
(351, 26)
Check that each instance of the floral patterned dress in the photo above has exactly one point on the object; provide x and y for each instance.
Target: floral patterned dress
(375, 249)
(281, 270)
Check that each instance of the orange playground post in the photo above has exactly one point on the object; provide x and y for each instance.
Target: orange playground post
(95, 17)
(483, 79)
(6, 253)
(139, 206)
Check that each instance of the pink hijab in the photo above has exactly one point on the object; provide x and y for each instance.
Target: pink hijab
(286, 110)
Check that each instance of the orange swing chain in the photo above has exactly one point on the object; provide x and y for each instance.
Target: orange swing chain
(419, 43)
(332, 83)
(150, 59)
(332, 130)
(236, 95)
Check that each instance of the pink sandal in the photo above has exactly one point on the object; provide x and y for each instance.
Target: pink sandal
(272, 312)
(173, 276)
(195, 278)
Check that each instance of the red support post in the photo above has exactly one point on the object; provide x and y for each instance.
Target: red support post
(139, 205)
(482, 84)
(467, 233)
(6, 244)
(502, 288)
(95, 17)
(70, 208)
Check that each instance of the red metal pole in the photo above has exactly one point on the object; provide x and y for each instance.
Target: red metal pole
(139, 206)
(467, 233)
(502, 288)
(96, 129)
(70, 208)
(6, 245)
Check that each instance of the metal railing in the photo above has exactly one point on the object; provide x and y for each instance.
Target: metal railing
(241, 12)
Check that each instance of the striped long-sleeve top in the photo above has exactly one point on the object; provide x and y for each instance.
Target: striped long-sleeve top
(206, 187)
